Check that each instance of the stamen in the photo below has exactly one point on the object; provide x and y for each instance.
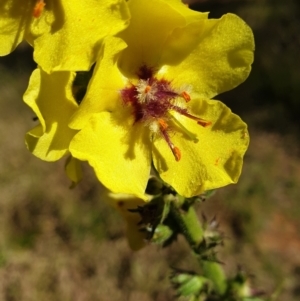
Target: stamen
(163, 125)
(175, 150)
(204, 123)
(38, 8)
(200, 121)
(145, 91)
(191, 135)
(186, 96)
(155, 102)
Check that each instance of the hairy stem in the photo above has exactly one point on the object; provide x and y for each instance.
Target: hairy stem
(191, 228)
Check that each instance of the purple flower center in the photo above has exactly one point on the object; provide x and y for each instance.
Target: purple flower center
(151, 100)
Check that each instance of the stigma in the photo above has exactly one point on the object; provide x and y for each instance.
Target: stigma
(152, 101)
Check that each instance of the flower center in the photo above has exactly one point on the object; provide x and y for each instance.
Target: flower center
(152, 99)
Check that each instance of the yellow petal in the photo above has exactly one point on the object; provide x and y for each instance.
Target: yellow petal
(182, 41)
(15, 18)
(183, 9)
(51, 99)
(151, 23)
(123, 203)
(103, 92)
(76, 34)
(213, 160)
(118, 152)
(73, 170)
(25, 20)
(220, 61)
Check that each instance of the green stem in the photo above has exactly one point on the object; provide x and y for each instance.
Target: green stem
(189, 225)
(191, 228)
(215, 273)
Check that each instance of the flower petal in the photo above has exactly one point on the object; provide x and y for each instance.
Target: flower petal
(220, 61)
(183, 9)
(150, 25)
(212, 161)
(73, 170)
(104, 86)
(118, 151)
(75, 36)
(123, 203)
(51, 99)
(15, 17)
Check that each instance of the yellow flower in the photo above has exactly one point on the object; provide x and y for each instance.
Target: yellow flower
(65, 34)
(50, 97)
(149, 101)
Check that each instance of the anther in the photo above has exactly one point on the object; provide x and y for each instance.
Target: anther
(200, 121)
(162, 124)
(186, 96)
(176, 152)
(204, 123)
(38, 8)
(147, 89)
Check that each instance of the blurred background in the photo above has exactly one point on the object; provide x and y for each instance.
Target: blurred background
(63, 244)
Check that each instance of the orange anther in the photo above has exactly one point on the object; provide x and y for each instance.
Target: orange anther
(204, 123)
(147, 89)
(200, 121)
(176, 152)
(163, 125)
(186, 96)
(38, 8)
(217, 162)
